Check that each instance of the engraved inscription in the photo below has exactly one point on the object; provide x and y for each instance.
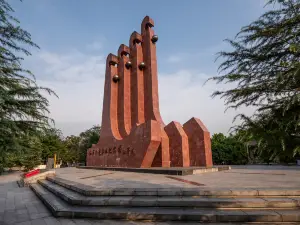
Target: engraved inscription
(115, 150)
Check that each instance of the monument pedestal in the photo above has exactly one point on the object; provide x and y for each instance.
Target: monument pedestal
(180, 171)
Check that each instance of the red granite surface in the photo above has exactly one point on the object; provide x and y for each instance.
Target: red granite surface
(133, 133)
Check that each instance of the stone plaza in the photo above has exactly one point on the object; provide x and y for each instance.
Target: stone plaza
(262, 193)
(237, 177)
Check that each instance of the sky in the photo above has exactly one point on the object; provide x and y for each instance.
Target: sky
(76, 36)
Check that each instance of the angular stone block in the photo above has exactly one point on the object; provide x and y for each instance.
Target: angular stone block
(179, 145)
(199, 143)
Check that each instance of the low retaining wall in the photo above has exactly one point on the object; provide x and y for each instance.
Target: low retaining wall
(24, 182)
(180, 171)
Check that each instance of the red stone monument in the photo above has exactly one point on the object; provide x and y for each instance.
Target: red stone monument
(133, 133)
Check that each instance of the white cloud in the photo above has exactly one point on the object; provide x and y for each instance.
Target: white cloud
(174, 59)
(96, 45)
(208, 52)
(183, 96)
(72, 67)
(78, 79)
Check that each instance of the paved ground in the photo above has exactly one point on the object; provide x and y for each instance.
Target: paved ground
(21, 206)
(238, 176)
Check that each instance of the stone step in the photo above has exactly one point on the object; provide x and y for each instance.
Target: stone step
(60, 208)
(75, 198)
(173, 191)
(179, 171)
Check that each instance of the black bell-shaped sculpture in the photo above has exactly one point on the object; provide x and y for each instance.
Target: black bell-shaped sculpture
(116, 78)
(142, 66)
(128, 64)
(154, 38)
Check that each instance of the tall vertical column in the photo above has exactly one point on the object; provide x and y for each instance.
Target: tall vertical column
(150, 72)
(124, 92)
(109, 126)
(137, 80)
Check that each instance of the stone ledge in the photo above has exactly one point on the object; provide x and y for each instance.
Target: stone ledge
(74, 198)
(61, 209)
(179, 171)
(25, 182)
(187, 191)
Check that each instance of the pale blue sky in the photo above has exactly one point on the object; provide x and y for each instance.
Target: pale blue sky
(76, 36)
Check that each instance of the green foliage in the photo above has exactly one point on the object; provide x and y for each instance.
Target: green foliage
(23, 108)
(36, 149)
(72, 149)
(30, 154)
(52, 143)
(76, 146)
(264, 67)
(87, 139)
(275, 144)
(228, 150)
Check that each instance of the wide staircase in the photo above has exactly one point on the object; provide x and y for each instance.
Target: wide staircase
(75, 200)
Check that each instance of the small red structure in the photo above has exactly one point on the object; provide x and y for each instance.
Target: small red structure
(133, 133)
(31, 173)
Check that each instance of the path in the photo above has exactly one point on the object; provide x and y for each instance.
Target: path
(20, 206)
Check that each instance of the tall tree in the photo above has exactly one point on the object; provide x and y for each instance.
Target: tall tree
(72, 149)
(52, 143)
(23, 109)
(76, 146)
(264, 67)
(87, 139)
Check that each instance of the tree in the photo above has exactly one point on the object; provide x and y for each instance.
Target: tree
(228, 150)
(76, 146)
(23, 108)
(264, 67)
(30, 153)
(72, 149)
(52, 143)
(87, 139)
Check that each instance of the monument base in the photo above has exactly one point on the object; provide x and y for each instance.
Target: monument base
(245, 195)
(181, 171)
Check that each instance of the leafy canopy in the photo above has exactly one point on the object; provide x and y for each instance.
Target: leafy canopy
(264, 70)
(23, 108)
